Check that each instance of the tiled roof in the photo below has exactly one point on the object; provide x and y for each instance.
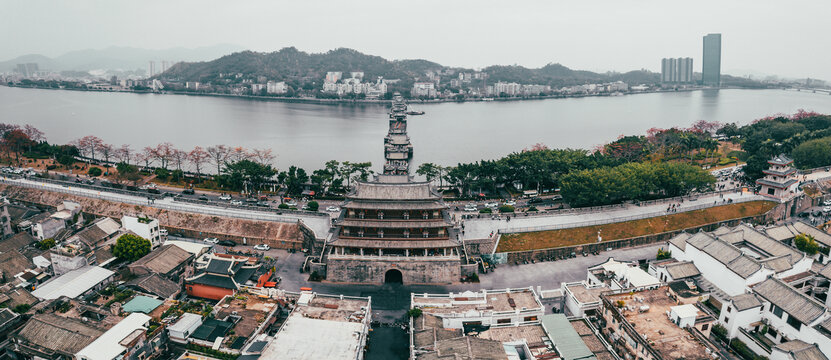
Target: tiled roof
(681, 270)
(12, 263)
(745, 301)
(384, 191)
(826, 271)
(793, 302)
(156, 284)
(800, 350)
(164, 259)
(100, 230)
(680, 240)
(55, 333)
(16, 242)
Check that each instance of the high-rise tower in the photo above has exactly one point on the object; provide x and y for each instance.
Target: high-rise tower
(711, 62)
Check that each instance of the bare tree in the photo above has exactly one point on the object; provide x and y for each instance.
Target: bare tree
(106, 152)
(238, 154)
(164, 153)
(219, 154)
(33, 133)
(179, 157)
(263, 156)
(197, 157)
(88, 145)
(124, 153)
(147, 155)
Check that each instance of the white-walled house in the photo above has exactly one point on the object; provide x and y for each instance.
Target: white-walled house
(780, 313)
(145, 227)
(733, 259)
(485, 308)
(797, 350)
(621, 275)
(671, 270)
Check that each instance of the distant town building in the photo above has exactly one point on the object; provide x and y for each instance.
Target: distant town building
(677, 70)
(711, 62)
(273, 87)
(257, 89)
(193, 85)
(152, 68)
(145, 227)
(333, 76)
(28, 69)
(510, 89)
(425, 89)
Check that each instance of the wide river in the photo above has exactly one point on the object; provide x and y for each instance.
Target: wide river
(308, 135)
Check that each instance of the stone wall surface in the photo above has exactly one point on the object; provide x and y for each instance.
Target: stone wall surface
(414, 271)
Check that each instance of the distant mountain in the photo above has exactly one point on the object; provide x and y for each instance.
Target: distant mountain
(307, 70)
(119, 58)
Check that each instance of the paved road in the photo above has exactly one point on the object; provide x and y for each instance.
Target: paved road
(480, 228)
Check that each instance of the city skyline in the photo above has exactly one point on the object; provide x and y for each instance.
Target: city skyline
(456, 34)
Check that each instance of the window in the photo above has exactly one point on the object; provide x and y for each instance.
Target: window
(726, 319)
(777, 311)
(503, 321)
(406, 215)
(729, 309)
(705, 327)
(530, 318)
(771, 191)
(794, 322)
(381, 215)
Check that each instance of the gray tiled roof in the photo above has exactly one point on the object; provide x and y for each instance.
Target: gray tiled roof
(793, 302)
(383, 191)
(800, 350)
(681, 270)
(680, 240)
(726, 253)
(745, 301)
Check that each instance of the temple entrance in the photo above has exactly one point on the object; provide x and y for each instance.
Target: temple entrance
(393, 276)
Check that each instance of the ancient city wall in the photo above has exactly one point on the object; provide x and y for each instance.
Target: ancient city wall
(252, 232)
(373, 271)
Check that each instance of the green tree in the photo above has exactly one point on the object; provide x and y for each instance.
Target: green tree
(806, 243)
(506, 209)
(94, 171)
(245, 175)
(813, 153)
(131, 247)
(162, 174)
(46, 244)
(313, 205)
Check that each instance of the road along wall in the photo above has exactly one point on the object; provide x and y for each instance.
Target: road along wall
(282, 235)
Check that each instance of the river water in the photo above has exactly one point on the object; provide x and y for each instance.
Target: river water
(308, 135)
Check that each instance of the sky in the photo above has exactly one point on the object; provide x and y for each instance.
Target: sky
(785, 38)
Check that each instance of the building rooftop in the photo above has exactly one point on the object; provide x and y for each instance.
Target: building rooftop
(585, 293)
(16, 242)
(112, 343)
(97, 232)
(73, 283)
(142, 304)
(798, 305)
(682, 269)
(789, 231)
(800, 350)
(155, 284)
(52, 333)
(163, 260)
(393, 191)
(593, 341)
(566, 340)
(745, 302)
(196, 249)
(485, 300)
(341, 321)
(664, 337)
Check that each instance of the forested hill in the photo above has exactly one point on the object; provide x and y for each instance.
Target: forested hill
(307, 70)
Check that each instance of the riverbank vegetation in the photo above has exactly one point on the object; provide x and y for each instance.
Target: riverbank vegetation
(624, 230)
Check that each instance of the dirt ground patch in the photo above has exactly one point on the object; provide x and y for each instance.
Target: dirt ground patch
(628, 229)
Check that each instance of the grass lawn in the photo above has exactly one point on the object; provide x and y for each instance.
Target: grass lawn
(628, 229)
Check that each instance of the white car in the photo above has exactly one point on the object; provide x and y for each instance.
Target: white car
(292, 203)
(236, 202)
(827, 202)
(224, 197)
(211, 240)
(261, 247)
(491, 205)
(471, 207)
(510, 203)
(826, 210)
(333, 209)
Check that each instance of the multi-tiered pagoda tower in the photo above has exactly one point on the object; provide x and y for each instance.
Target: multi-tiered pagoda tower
(394, 229)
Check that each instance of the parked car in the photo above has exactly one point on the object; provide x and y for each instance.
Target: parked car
(333, 209)
(261, 247)
(188, 192)
(471, 207)
(535, 200)
(154, 191)
(225, 197)
(227, 243)
(826, 210)
(211, 240)
(236, 202)
(292, 203)
(491, 205)
(827, 202)
(510, 203)
(203, 198)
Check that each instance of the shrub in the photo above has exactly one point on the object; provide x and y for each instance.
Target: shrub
(506, 209)
(161, 174)
(532, 208)
(314, 276)
(806, 243)
(282, 206)
(485, 211)
(94, 171)
(45, 244)
(741, 155)
(414, 313)
(22, 308)
(313, 205)
(663, 254)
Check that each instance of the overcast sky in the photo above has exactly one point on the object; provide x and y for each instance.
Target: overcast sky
(787, 38)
